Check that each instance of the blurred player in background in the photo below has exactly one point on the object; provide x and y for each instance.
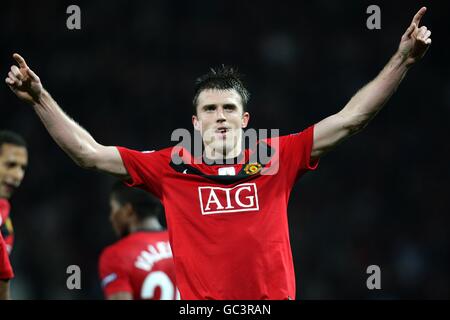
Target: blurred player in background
(13, 163)
(227, 222)
(140, 264)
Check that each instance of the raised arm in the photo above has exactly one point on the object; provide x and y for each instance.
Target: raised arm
(69, 135)
(368, 101)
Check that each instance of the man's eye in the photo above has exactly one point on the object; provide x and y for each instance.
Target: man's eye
(229, 108)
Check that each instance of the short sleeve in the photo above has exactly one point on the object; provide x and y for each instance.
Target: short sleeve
(295, 153)
(146, 169)
(113, 275)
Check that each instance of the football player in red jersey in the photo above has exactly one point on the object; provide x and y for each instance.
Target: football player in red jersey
(13, 163)
(140, 265)
(227, 223)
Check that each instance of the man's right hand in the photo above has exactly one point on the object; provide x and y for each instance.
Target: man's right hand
(24, 82)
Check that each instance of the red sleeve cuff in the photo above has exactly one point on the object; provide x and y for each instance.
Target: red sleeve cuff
(134, 179)
(310, 164)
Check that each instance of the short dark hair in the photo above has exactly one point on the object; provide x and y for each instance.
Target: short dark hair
(221, 78)
(143, 203)
(11, 137)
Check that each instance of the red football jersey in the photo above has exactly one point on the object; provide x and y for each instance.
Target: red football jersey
(141, 264)
(228, 224)
(6, 271)
(6, 228)
(4, 210)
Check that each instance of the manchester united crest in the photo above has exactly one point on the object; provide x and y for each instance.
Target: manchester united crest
(252, 168)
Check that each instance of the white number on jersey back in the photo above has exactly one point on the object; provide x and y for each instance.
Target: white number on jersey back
(159, 279)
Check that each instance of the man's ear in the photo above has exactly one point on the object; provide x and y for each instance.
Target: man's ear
(196, 123)
(128, 209)
(245, 119)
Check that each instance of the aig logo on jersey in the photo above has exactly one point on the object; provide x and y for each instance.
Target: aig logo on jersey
(243, 197)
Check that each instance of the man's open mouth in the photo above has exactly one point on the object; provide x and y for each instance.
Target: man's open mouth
(222, 130)
(9, 187)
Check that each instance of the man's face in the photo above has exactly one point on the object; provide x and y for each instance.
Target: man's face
(220, 118)
(119, 217)
(13, 163)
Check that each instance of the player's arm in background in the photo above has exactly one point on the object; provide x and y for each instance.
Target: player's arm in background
(69, 135)
(369, 100)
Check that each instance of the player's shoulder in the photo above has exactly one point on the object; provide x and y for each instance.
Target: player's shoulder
(164, 152)
(150, 153)
(115, 249)
(148, 237)
(161, 235)
(110, 251)
(135, 240)
(4, 203)
(307, 133)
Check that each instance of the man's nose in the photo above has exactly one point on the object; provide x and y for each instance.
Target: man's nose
(220, 114)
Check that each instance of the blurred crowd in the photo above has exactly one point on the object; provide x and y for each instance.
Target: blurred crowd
(381, 198)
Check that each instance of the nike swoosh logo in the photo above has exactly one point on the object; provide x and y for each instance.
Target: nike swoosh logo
(185, 171)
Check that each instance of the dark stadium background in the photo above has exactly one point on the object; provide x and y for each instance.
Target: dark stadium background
(127, 76)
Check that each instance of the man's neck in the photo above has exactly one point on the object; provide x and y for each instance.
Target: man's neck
(149, 224)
